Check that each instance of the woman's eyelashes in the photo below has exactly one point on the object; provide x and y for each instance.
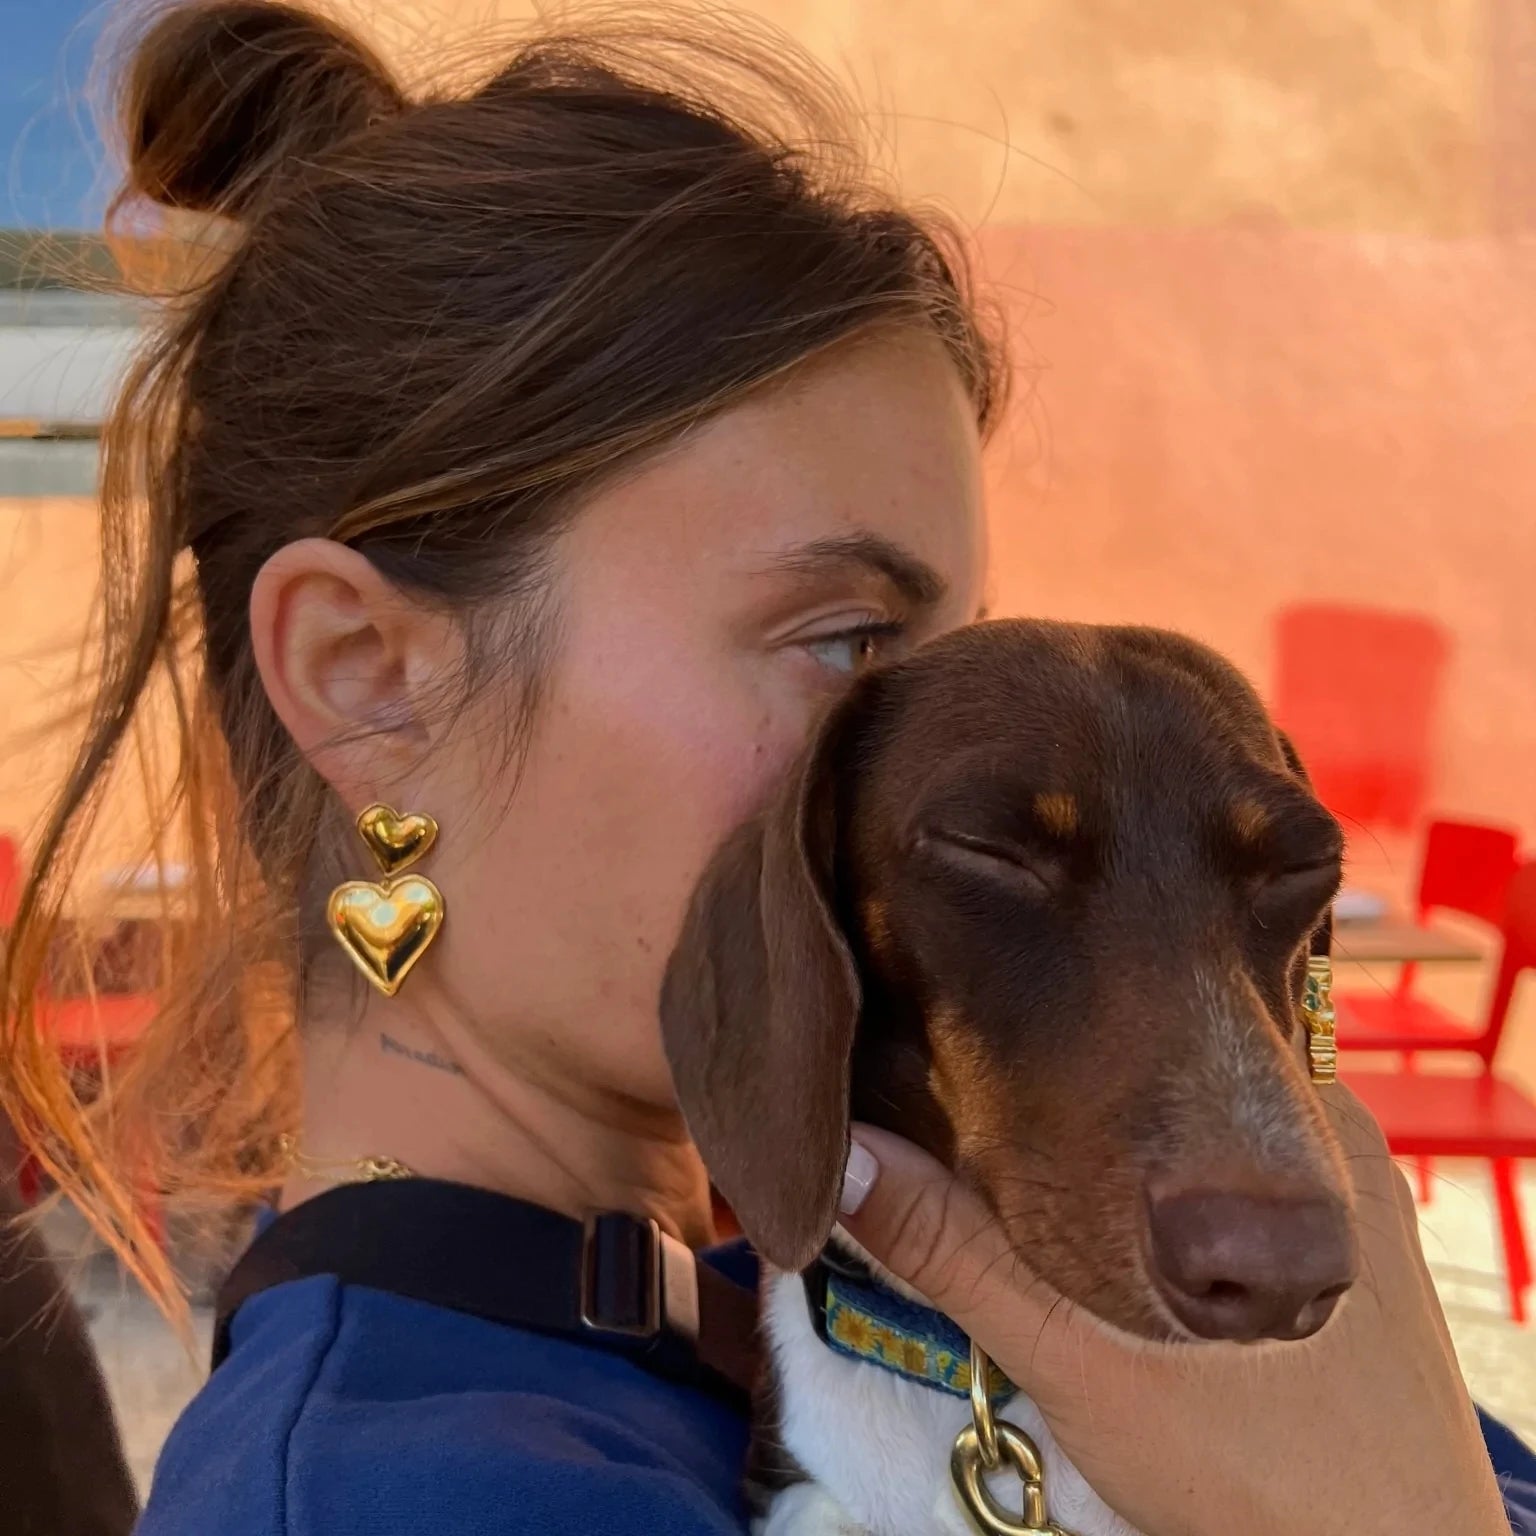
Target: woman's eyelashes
(849, 651)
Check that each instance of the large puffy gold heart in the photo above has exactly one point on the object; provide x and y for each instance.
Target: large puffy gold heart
(386, 928)
(396, 841)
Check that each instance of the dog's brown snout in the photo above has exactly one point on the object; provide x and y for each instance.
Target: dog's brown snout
(1233, 1264)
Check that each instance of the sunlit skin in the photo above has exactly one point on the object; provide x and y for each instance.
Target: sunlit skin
(710, 605)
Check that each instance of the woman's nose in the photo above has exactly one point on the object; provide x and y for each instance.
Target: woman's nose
(1238, 1265)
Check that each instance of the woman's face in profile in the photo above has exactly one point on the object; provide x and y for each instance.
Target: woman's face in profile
(710, 606)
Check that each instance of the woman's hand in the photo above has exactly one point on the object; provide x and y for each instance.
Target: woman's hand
(1364, 1428)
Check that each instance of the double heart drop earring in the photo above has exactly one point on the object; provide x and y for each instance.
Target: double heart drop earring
(386, 926)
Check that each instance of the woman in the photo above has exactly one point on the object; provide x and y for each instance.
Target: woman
(546, 458)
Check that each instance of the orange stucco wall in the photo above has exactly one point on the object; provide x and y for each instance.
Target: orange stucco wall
(48, 572)
(1226, 420)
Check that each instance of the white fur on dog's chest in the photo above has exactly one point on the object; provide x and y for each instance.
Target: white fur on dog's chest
(877, 1445)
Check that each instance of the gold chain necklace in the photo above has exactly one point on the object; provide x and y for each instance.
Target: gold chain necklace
(358, 1170)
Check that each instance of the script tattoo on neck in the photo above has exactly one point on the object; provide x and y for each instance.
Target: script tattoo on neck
(392, 1047)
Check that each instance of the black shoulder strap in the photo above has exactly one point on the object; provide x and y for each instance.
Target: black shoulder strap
(615, 1282)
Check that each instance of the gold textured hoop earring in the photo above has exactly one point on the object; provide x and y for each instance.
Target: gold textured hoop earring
(386, 926)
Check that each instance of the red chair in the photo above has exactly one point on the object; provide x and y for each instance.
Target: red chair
(10, 881)
(1467, 869)
(1433, 1114)
(1358, 690)
(91, 1031)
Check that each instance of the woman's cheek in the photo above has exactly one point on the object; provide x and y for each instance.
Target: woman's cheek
(751, 768)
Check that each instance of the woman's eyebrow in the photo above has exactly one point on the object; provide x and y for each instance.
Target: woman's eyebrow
(912, 577)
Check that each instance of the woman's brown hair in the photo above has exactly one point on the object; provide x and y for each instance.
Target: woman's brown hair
(435, 324)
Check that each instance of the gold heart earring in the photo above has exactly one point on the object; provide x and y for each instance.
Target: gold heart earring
(1317, 1011)
(386, 926)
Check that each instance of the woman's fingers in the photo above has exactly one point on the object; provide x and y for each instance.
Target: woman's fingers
(913, 1216)
(1364, 1428)
(1382, 1191)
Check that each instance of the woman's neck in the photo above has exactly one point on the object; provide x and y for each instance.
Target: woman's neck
(394, 1086)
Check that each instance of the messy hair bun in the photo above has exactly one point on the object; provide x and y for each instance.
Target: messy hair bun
(221, 95)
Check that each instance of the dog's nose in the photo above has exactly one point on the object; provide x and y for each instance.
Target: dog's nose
(1234, 1265)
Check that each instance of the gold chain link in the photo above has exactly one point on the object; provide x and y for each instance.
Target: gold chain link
(987, 1444)
(364, 1170)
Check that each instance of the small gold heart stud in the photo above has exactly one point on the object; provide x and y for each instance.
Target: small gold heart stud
(395, 841)
(386, 928)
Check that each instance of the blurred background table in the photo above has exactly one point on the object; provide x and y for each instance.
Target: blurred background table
(1396, 940)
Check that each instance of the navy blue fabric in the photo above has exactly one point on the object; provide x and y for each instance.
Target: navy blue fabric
(343, 1411)
(1515, 1464)
(347, 1412)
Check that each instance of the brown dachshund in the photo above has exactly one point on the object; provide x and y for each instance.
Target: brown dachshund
(1040, 899)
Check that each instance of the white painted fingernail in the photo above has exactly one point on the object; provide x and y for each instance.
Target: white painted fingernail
(858, 1178)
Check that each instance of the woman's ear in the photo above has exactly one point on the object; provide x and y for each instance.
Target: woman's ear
(347, 661)
(758, 1011)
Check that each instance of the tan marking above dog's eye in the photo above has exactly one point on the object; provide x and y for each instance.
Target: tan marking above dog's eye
(1250, 821)
(1057, 813)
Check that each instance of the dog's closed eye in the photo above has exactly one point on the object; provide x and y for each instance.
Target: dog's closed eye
(1294, 861)
(1301, 889)
(1026, 874)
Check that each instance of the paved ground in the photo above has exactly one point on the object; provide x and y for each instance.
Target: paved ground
(152, 1375)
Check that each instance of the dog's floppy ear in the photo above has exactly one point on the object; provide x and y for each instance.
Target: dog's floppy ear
(758, 1011)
